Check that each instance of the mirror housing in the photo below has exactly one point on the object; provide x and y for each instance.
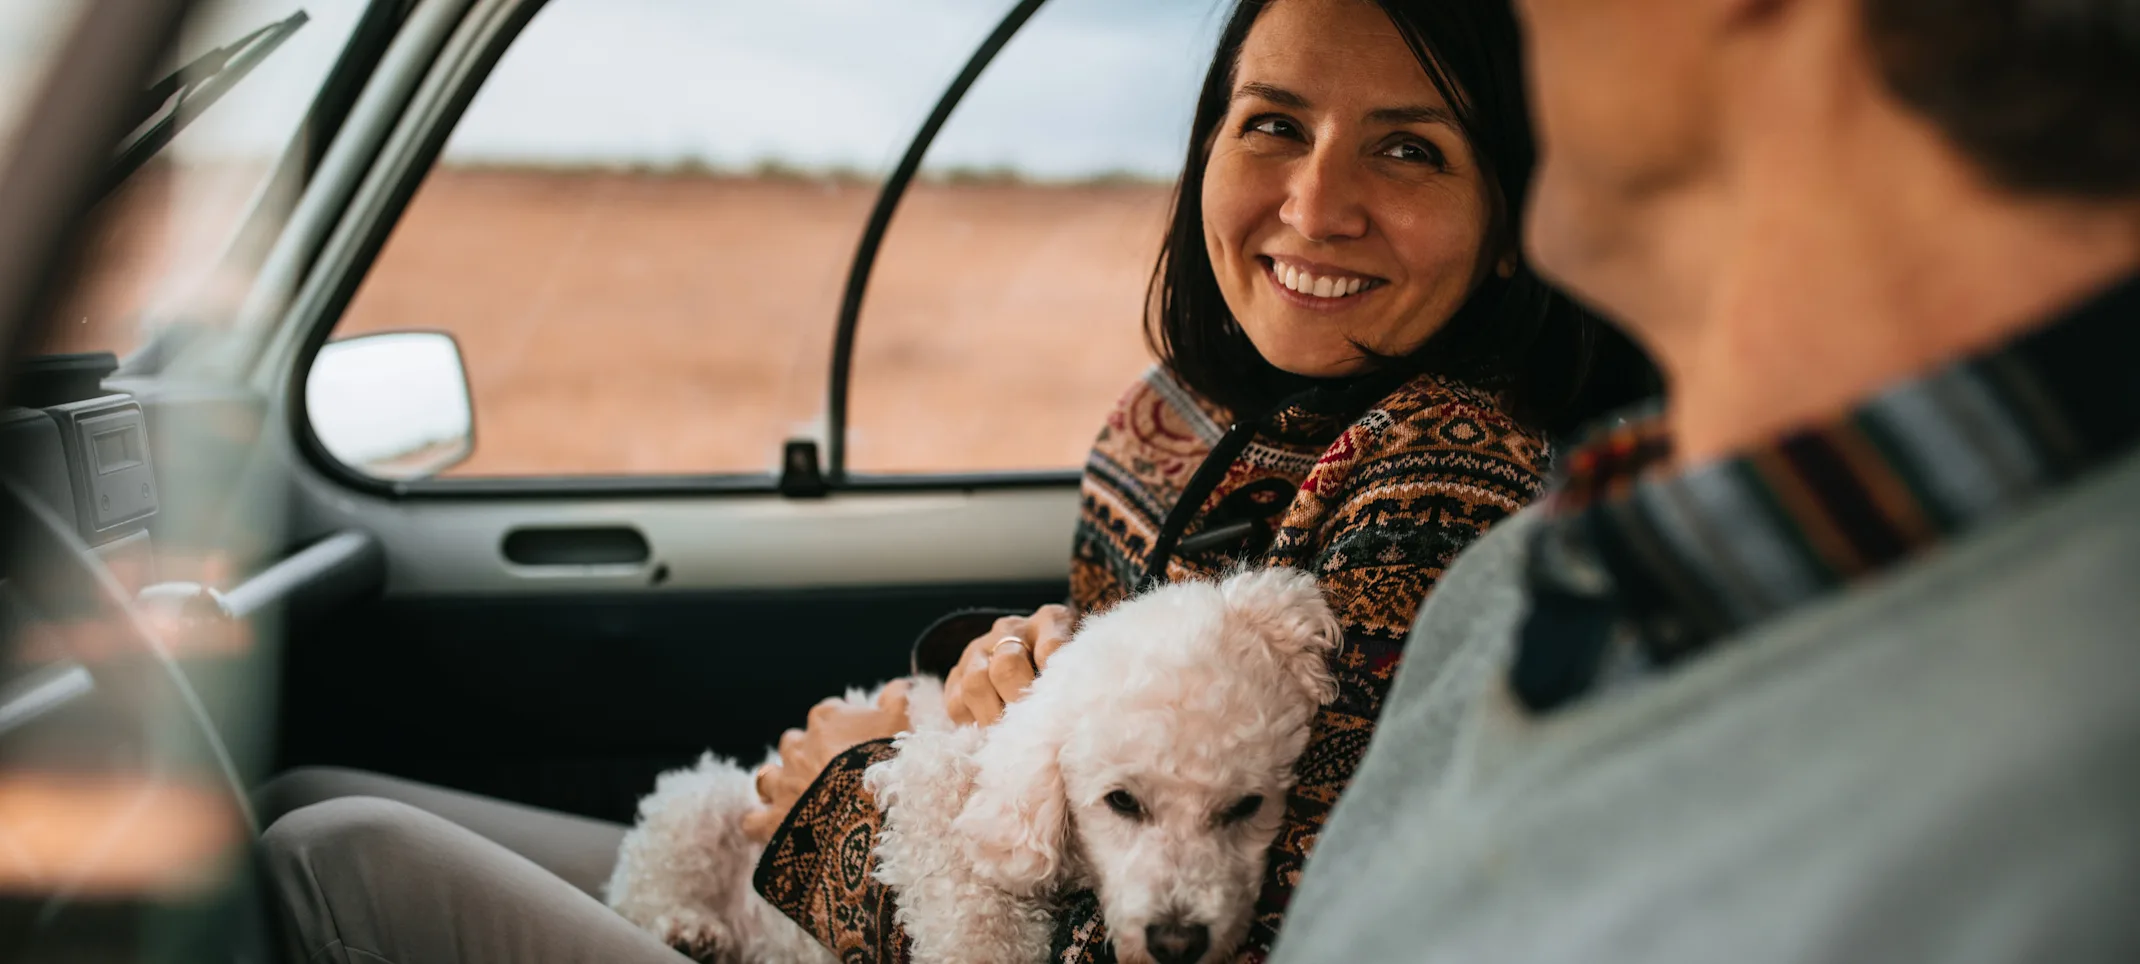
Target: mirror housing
(394, 405)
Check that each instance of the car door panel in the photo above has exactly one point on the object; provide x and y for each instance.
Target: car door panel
(576, 700)
(447, 546)
(571, 686)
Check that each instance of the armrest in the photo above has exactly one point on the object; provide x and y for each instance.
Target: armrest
(36, 694)
(345, 566)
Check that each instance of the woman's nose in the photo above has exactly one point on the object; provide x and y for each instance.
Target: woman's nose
(1323, 201)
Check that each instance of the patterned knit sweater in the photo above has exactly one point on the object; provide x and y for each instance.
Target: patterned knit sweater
(1373, 495)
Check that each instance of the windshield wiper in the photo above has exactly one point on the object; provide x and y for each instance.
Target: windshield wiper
(192, 89)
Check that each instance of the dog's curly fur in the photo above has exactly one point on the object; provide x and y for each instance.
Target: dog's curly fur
(1192, 701)
(1150, 762)
(684, 871)
(950, 912)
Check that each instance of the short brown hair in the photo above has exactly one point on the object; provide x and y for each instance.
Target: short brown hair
(2044, 95)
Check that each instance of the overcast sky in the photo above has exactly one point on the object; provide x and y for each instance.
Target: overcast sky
(1087, 87)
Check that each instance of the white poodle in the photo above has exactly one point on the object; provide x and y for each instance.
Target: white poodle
(1150, 763)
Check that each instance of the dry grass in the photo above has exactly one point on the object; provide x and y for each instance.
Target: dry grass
(657, 322)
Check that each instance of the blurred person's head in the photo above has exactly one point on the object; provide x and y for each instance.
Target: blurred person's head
(1356, 177)
(1712, 165)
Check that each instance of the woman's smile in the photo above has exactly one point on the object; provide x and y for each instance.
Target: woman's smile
(1318, 287)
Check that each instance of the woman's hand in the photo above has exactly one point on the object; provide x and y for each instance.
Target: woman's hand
(995, 670)
(835, 726)
(997, 667)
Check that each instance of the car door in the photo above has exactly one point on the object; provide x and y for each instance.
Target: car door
(660, 446)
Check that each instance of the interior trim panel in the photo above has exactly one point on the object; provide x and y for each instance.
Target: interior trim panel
(727, 543)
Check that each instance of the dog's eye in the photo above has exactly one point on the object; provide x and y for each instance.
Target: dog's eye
(1242, 809)
(1121, 802)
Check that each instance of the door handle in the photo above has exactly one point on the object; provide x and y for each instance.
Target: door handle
(576, 546)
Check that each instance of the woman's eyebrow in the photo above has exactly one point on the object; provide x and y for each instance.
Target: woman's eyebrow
(1276, 95)
(1417, 114)
(1422, 114)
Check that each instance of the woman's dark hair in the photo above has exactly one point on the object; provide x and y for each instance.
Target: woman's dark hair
(1515, 334)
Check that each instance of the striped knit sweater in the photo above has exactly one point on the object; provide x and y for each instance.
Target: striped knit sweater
(1373, 492)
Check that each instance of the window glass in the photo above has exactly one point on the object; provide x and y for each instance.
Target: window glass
(157, 237)
(639, 231)
(31, 32)
(1005, 314)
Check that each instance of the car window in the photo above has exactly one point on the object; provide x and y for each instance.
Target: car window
(1004, 315)
(31, 32)
(639, 230)
(157, 237)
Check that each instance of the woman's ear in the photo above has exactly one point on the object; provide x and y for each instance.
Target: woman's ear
(1284, 608)
(1016, 824)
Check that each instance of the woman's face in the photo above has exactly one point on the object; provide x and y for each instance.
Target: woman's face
(1342, 206)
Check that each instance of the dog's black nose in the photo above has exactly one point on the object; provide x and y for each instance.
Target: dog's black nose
(1177, 943)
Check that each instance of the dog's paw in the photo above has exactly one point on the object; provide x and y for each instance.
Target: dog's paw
(706, 945)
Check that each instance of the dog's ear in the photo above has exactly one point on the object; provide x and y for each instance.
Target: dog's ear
(1284, 608)
(1016, 823)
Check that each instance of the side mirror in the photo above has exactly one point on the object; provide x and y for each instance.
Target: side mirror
(393, 406)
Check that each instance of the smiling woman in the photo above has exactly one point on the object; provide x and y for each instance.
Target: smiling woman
(1354, 183)
(1344, 213)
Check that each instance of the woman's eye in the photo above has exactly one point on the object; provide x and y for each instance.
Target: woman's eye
(1242, 809)
(1273, 126)
(1416, 152)
(1121, 802)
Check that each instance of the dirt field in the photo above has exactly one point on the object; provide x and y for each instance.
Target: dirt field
(656, 323)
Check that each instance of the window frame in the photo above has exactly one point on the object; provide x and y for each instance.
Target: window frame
(408, 172)
(298, 163)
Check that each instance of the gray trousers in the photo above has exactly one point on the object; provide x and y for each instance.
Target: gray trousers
(368, 869)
